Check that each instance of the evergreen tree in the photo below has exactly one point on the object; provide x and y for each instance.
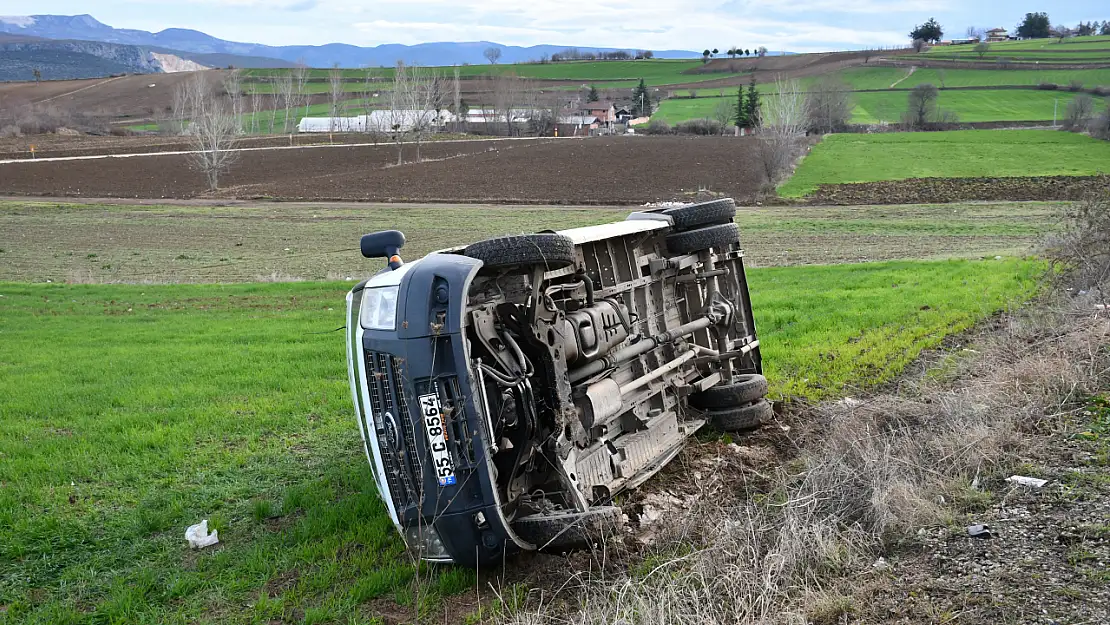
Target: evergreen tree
(752, 105)
(741, 112)
(641, 100)
(593, 96)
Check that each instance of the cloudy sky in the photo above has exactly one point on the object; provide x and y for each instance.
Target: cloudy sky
(795, 25)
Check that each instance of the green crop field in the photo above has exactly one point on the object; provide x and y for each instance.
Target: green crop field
(970, 106)
(883, 77)
(653, 71)
(675, 110)
(264, 122)
(132, 411)
(871, 107)
(1084, 49)
(846, 158)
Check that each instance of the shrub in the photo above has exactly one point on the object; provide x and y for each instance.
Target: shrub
(699, 127)
(1080, 111)
(656, 127)
(1075, 85)
(922, 106)
(1048, 86)
(1101, 90)
(1083, 249)
(1100, 126)
(10, 131)
(828, 106)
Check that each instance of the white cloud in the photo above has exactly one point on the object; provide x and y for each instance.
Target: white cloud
(654, 24)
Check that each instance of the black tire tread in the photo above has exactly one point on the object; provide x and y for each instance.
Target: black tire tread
(582, 529)
(744, 418)
(713, 212)
(691, 241)
(744, 389)
(555, 251)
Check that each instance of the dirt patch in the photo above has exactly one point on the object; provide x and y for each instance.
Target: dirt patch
(943, 190)
(610, 170)
(169, 176)
(282, 582)
(55, 145)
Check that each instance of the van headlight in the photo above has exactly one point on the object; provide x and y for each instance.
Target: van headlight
(379, 308)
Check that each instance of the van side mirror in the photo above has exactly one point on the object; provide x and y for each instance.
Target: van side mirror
(384, 244)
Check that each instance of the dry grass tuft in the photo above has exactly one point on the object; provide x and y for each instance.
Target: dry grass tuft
(867, 474)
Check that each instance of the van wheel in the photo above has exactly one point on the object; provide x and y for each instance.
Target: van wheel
(719, 237)
(565, 530)
(554, 251)
(702, 214)
(744, 390)
(744, 418)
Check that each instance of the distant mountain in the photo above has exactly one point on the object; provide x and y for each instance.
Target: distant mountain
(443, 53)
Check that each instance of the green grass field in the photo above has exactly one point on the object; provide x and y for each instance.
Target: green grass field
(846, 158)
(872, 107)
(131, 412)
(97, 243)
(264, 122)
(1081, 49)
(970, 106)
(884, 77)
(653, 71)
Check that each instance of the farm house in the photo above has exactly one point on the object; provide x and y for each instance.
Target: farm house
(377, 121)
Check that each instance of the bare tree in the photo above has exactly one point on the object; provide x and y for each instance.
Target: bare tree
(256, 106)
(506, 98)
(300, 76)
(782, 128)
(458, 102)
(1061, 32)
(829, 105)
(181, 102)
(335, 93)
(398, 121)
(723, 112)
(286, 92)
(922, 106)
(213, 129)
(974, 32)
(492, 54)
(919, 45)
(233, 86)
(762, 51)
(425, 98)
(982, 48)
(1080, 111)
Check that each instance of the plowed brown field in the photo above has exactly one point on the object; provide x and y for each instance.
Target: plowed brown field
(613, 170)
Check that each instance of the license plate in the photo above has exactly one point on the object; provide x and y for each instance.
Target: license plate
(432, 415)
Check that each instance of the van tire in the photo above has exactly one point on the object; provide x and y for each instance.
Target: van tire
(566, 530)
(701, 214)
(744, 390)
(744, 418)
(554, 251)
(719, 237)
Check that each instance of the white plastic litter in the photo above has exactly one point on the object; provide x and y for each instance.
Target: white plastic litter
(198, 535)
(1027, 481)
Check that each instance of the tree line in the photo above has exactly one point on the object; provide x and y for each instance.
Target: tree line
(1035, 25)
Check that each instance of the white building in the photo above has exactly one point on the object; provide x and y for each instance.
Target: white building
(379, 121)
